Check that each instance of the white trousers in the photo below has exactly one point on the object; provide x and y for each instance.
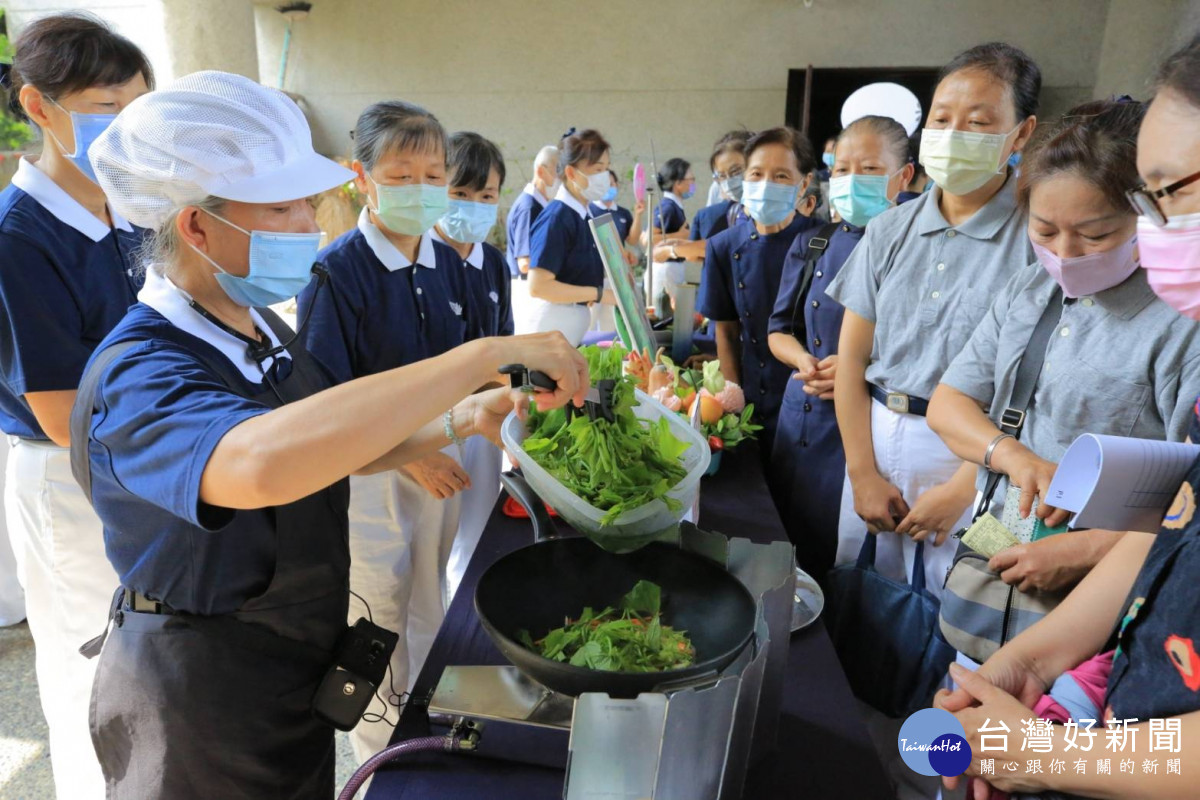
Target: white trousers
(12, 596)
(571, 319)
(520, 300)
(400, 541)
(482, 460)
(69, 585)
(914, 460)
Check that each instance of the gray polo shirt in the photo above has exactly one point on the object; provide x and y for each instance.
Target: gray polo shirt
(1121, 363)
(927, 285)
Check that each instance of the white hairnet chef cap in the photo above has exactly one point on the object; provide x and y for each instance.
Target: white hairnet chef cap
(208, 133)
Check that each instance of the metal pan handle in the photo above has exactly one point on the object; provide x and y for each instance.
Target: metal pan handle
(543, 524)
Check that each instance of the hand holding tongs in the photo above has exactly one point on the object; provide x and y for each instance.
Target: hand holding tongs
(597, 403)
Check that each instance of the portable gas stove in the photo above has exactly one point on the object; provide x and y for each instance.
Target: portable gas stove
(621, 735)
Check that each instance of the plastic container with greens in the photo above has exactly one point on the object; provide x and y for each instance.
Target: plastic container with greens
(621, 488)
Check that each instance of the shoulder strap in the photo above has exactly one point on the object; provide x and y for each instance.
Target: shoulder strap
(817, 246)
(84, 408)
(1025, 381)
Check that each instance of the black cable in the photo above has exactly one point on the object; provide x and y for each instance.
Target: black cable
(394, 698)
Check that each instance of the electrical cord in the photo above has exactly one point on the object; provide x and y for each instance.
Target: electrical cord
(394, 699)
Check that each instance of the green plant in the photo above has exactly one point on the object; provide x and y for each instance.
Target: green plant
(14, 134)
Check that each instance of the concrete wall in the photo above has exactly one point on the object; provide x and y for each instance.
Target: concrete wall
(523, 71)
(178, 36)
(1137, 35)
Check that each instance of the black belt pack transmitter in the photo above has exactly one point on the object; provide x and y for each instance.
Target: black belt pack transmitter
(357, 671)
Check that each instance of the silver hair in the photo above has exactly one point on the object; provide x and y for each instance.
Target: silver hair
(546, 156)
(160, 250)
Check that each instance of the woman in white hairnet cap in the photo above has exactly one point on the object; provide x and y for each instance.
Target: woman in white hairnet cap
(218, 457)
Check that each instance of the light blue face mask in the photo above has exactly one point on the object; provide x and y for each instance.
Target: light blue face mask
(828, 159)
(86, 129)
(466, 221)
(690, 191)
(280, 267)
(860, 198)
(769, 203)
(610, 195)
(732, 187)
(410, 209)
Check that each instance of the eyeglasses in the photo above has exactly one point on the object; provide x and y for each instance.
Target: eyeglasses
(733, 173)
(1145, 201)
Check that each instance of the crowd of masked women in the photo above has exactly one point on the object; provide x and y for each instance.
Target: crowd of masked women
(909, 317)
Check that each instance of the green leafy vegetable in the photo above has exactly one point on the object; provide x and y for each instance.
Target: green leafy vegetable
(631, 640)
(615, 466)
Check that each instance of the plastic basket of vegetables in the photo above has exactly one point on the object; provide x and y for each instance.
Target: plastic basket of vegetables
(623, 483)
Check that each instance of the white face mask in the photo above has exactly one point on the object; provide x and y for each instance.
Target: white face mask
(597, 185)
(961, 161)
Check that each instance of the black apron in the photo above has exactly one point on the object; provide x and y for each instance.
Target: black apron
(187, 706)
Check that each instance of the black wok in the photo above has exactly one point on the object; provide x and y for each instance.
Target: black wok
(537, 587)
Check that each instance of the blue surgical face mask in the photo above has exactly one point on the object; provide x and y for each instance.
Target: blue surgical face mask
(86, 128)
(860, 198)
(689, 191)
(466, 221)
(732, 187)
(280, 267)
(828, 159)
(410, 209)
(610, 195)
(769, 203)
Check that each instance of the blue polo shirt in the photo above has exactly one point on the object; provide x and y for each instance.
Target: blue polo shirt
(161, 410)
(622, 218)
(380, 310)
(524, 212)
(490, 288)
(66, 279)
(562, 243)
(711, 220)
(740, 281)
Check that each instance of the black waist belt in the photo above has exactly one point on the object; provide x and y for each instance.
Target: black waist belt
(900, 403)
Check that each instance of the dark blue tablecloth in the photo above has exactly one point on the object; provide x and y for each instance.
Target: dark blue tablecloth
(823, 747)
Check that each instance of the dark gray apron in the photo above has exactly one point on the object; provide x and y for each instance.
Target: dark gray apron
(187, 706)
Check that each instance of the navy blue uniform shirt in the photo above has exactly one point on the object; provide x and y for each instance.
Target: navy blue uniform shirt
(711, 220)
(490, 288)
(521, 216)
(669, 217)
(740, 281)
(562, 243)
(622, 218)
(381, 311)
(66, 279)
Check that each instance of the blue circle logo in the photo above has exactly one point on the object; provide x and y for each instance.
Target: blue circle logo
(932, 742)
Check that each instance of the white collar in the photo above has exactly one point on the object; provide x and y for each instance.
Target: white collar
(569, 200)
(533, 192)
(66, 209)
(674, 198)
(387, 253)
(174, 303)
(474, 258)
(609, 206)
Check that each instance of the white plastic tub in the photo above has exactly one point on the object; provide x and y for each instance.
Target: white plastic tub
(638, 526)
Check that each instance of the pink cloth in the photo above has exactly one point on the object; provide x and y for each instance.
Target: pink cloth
(1092, 678)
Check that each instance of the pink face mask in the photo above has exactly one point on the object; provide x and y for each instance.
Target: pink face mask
(1171, 258)
(1084, 275)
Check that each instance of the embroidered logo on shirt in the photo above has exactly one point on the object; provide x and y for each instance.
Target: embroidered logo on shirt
(495, 297)
(1182, 509)
(456, 308)
(1182, 653)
